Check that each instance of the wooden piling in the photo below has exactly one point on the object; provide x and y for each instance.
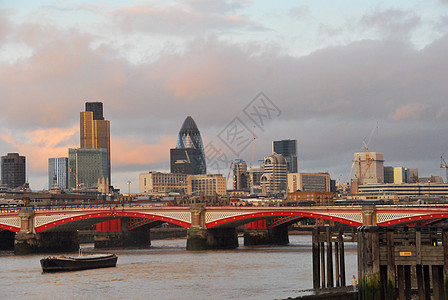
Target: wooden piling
(329, 260)
(342, 258)
(316, 266)
(427, 282)
(322, 255)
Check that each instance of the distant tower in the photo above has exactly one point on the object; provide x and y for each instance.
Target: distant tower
(13, 170)
(188, 157)
(58, 168)
(288, 149)
(87, 166)
(274, 178)
(94, 130)
(241, 176)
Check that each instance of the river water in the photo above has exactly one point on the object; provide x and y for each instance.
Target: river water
(168, 271)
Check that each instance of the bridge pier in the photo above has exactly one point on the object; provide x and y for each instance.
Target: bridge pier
(201, 238)
(262, 233)
(120, 237)
(46, 242)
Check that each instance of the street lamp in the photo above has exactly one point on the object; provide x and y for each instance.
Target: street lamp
(129, 188)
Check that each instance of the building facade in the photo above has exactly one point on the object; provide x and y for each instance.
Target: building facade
(189, 156)
(288, 149)
(309, 182)
(424, 191)
(95, 130)
(324, 198)
(273, 181)
(58, 169)
(88, 167)
(241, 179)
(369, 167)
(208, 185)
(164, 183)
(13, 170)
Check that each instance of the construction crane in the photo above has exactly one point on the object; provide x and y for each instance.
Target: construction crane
(365, 145)
(443, 164)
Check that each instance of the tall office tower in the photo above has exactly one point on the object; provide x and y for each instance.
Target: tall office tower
(240, 176)
(87, 167)
(58, 168)
(288, 149)
(94, 130)
(188, 157)
(13, 170)
(369, 167)
(273, 181)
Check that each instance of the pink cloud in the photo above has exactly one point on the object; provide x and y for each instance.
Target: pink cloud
(41, 144)
(126, 152)
(409, 111)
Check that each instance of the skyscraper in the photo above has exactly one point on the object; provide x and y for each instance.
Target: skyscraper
(241, 176)
(58, 167)
(95, 131)
(274, 178)
(87, 166)
(288, 149)
(13, 170)
(188, 157)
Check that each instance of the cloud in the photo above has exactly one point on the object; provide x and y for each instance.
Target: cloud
(195, 19)
(393, 23)
(39, 145)
(409, 111)
(129, 152)
(330, 97)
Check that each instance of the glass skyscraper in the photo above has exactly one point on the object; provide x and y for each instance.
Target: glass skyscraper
(188, 157)
(58, 167)
(13, 170)
(288, 149)
(87, 166)
(94, 130)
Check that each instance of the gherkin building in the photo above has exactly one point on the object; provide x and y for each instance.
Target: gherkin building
(188, 157)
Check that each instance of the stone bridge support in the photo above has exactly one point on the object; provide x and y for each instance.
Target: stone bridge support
(27, 241)
(201, 238)
(262, 233)
(46, 242)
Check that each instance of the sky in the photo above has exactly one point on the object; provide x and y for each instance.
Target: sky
(330, 74)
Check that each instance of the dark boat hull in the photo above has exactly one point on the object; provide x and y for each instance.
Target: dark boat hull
(60, 264)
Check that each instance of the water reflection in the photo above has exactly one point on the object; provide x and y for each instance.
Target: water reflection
(168, 271)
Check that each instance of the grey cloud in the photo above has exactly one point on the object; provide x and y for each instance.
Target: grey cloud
(179, 22)
(329, 99)
(220, 6)
(393, 23)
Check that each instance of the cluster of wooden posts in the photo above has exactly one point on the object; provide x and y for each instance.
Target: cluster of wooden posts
(329, 272)
(393, 263)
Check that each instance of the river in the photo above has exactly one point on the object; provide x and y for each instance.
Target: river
(168, 271)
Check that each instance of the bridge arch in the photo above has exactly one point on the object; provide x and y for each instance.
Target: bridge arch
(411, 219)
(91, 218)
(241, 219)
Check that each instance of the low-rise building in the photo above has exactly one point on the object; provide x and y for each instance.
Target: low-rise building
(316, 197)
(308, 182)
(208, 184)
(158, 183)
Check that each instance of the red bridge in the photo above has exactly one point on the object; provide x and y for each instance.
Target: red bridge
(67, 218)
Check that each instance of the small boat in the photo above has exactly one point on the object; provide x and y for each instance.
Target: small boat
(81, 262)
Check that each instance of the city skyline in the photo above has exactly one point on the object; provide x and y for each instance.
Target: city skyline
(332, 74)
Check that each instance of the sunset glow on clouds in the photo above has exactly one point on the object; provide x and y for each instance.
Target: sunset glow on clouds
(152, 63)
